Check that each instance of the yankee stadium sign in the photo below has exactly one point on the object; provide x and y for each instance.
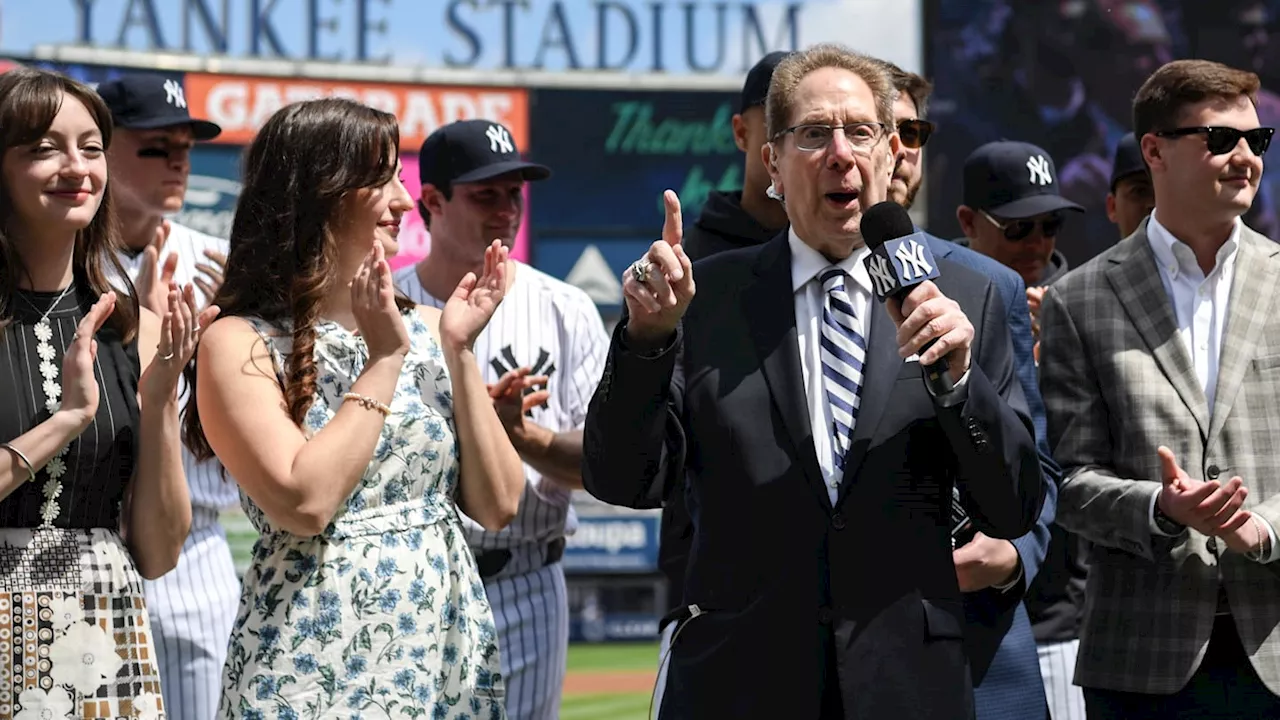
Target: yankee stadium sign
(617, 35)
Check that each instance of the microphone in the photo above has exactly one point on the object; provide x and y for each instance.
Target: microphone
(899, 261)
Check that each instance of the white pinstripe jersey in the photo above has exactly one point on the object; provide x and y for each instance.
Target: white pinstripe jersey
(555, 329)
(208, 488)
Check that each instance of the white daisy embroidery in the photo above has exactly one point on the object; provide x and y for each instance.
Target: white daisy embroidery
(48, 370)
(43, 332)
(45, 352)
(147, 707)
(38, 704)
(84, 658)
(65, 612)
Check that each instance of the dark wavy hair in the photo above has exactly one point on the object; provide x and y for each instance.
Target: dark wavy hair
(306, 159)
(30, 99)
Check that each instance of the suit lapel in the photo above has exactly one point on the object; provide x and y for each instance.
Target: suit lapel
(769, 307)
(1136, 281)
(879, 375)
(1249, 306)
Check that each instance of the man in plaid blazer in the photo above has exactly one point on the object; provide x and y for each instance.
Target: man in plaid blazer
(1160, 368)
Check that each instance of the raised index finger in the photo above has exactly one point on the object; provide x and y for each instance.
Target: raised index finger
(673, 226)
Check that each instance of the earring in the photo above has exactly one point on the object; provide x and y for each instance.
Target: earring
(773, 193)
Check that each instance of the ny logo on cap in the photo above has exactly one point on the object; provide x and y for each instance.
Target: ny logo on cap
(1039, 168)
(499, 139)
(173, 94)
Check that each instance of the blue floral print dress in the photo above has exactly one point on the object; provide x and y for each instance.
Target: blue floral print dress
(383, 615)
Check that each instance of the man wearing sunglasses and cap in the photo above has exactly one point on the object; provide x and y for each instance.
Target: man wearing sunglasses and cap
(1159, 378)
(193, 606)
(1013, 209)
(993, 574)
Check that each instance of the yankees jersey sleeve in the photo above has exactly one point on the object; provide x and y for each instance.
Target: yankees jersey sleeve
(554, 329)
(209, 487)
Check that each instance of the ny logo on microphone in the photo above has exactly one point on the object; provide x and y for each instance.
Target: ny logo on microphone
(881, 274)
(911, 254)
(900, 264)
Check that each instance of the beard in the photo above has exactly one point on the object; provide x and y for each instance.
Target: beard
(912, 190)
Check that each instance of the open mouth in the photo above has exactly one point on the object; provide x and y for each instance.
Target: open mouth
(842, 198)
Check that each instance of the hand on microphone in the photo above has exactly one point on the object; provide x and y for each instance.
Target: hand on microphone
(926, 314)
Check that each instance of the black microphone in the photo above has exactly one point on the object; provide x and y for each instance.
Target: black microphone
(899, 261)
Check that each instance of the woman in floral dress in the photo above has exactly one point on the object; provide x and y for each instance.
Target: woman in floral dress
(356, 425)
(92, 491)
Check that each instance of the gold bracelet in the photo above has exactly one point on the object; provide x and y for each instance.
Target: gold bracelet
(368, 403)
(31, 471)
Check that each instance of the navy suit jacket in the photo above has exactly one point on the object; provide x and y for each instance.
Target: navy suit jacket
(1002, 649)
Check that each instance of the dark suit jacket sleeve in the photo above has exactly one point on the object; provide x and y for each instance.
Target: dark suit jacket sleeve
(1000, 479)
(1033, 546)
(633, 443)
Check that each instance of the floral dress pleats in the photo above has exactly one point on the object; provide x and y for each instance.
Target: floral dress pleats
(384, 614)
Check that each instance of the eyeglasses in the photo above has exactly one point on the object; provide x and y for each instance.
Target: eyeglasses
(1016, 230)
(1222, 140)
(862, 136)
(914, 133)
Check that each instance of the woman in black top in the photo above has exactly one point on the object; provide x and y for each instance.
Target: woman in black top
(92, 492)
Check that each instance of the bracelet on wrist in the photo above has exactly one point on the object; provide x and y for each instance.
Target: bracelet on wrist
(368, 403)
(22, 457)
(1258, 554)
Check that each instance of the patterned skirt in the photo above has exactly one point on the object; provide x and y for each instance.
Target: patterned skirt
(75, 641)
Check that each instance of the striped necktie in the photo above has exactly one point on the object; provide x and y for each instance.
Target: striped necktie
(843, 353)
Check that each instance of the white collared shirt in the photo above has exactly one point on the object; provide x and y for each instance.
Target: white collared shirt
(806, 265)
(1199, 300)
(1200, 304)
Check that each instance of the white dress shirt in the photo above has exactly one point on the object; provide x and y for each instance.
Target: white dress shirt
(1200, 304)
(806, 265)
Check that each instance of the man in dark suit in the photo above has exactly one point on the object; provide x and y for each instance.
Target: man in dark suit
(821, 581)
(995, 575)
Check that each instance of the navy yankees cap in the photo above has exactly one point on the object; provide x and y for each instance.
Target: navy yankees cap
(756, 87)
(470, 151)
(147, 102)
(1013, 180)
(1128, 160)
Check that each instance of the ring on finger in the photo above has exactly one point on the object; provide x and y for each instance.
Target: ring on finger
(640, 270)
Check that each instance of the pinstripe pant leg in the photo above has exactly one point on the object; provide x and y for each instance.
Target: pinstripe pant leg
(531, 613)
(1057, 667)
(192, 608)
(664, 647)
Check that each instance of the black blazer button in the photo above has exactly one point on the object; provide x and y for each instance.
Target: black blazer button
(837, 521)
(1213, 472)
(1213, 545)
(825, 616)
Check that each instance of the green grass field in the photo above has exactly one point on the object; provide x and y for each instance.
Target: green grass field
(604, 657)
(628, 706)
(590, 657)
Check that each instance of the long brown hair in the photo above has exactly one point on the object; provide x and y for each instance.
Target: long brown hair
(29, 101)
(303, 162)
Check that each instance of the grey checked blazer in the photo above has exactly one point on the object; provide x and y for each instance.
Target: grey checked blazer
(1118, 383)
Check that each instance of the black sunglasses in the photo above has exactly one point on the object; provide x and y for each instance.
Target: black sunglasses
(1222, 140)
(1016, 230)
(914, 133)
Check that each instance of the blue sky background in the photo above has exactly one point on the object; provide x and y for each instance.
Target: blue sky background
(417, 32)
